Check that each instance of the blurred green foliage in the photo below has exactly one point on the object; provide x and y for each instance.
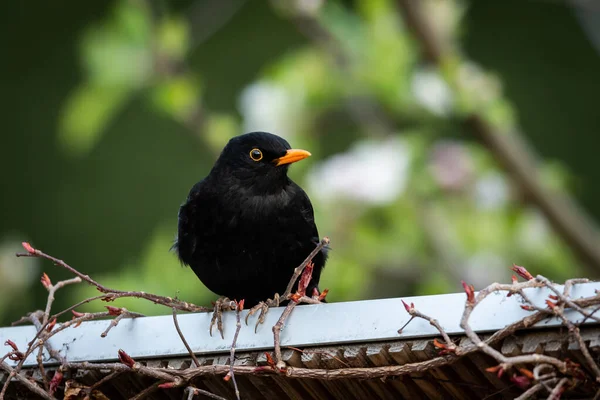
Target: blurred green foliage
(133, 101)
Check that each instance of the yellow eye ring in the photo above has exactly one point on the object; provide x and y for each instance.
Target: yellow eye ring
(256, 154)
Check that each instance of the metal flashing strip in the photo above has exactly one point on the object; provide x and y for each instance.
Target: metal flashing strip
(308, 325)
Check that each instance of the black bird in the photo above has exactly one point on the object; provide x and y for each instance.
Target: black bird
(245, 227)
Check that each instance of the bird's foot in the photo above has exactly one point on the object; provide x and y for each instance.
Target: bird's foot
(263, 307)
(222, 304)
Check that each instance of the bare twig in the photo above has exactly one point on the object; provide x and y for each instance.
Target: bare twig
(298, 271)
(123, 313)
(185, 343)
(112, 294)
(238, 326)
(24, 381)
(530, 392)
(558, 389)
(277, 332)
(192, 391)
(449, 347)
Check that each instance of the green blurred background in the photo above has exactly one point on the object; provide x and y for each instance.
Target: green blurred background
(112, 110)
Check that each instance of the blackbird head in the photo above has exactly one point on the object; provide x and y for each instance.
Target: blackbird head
(257, 161)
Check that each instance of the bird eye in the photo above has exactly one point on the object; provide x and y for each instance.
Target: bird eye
(256, 154)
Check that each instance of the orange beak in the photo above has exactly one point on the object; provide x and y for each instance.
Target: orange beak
(291, 156)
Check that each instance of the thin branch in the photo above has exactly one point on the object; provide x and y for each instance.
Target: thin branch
(124, 313)
(112, 294)
(528, 394)
(298, 270)
(238, 326)
(277, 332)
(192, 391)
(558, 389)
(185, 343)
(24, 381)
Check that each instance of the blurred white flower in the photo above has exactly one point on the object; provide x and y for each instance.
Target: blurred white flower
(268, 107)
(373, 172)
(431, 91)
(491, 192)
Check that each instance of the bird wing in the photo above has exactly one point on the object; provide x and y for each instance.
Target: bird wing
(188, 221)
(306, 208)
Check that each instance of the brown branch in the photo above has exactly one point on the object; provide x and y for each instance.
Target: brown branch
(12, 373)
(112, 294)
(185, 343)
(564, 297)
(146, 392)
(192, 391)
(277, 332)
(558, 389)
(52, 290)
(238, 325)
(507, 362)
(102, 381)
(528, 394)
(298, 270)
(124, 313)
(449, 347)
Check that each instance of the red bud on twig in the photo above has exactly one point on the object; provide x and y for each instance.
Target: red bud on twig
(11, 344)
(521, 381)
(305, 279)
(77, 314)
(28, 248)
(527, 373)
(470, 291)
(551, 305)
(295, 297)
(16, 356)
(407, 307)
(240, 305)
(46, 281)
(108, 298)
(167, 385)
(574, 369)
(522, 272)
(50, 325)
(126, 358)
(323, 294)
(270, 360)
(55, 382)
(227, 377)
(527, 307)
(553, 297)
(444, 348)
(498, 370)
(114, 311)
(514, 282)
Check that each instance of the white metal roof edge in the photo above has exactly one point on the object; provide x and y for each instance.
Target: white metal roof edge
(314, 325)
